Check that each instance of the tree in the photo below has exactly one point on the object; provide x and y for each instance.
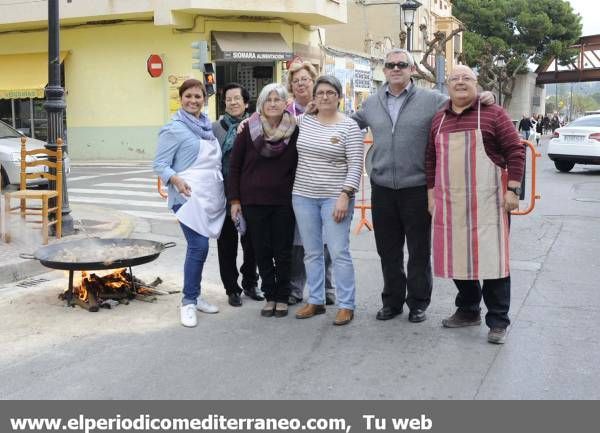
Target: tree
(522, 31)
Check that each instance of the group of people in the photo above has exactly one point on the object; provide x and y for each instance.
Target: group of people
(285, 177)
(537, 125)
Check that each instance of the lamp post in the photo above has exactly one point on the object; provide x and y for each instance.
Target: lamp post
(500, 63)
(409, 9)
(55, 105)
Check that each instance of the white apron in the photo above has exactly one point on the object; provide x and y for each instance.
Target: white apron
(204, 210)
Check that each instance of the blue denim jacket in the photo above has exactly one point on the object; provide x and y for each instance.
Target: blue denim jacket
(177, 150)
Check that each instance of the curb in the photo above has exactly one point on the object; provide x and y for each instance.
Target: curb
(22, 269)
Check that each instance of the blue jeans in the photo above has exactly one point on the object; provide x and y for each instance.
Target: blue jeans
(195, 256)
(314, 217)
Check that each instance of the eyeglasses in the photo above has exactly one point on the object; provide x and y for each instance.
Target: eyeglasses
(328, 93)
(400, 65)
(465, 78)
(236, 98)
(303, 80)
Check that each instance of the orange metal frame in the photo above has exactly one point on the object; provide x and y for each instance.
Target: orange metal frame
(161, 190)
(534, 194)
(362, 203)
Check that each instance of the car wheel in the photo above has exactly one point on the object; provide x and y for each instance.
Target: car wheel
(4, 177)
(564, 166)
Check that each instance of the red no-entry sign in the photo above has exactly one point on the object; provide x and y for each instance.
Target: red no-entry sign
(155, 65)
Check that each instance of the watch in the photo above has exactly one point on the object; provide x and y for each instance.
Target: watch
(516, 189)
(348, 192)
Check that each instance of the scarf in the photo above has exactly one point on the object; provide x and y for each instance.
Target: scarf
(229, 124)
(200, 126)
(269, 141)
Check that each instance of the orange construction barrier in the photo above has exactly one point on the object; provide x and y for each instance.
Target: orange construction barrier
(161, 189)
(361, 203)
(534, 194)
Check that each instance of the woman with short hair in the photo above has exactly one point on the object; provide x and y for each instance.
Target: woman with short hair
(261, 176)
(330, 165)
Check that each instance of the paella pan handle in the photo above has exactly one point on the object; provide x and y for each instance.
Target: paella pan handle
(26, 256)
(167, 245)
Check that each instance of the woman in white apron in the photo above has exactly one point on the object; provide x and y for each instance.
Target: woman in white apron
(188, 160)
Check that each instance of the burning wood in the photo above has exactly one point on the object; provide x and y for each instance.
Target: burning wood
(95, 291)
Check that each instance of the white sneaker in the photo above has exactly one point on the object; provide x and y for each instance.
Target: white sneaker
(205, 307)
(188, 315)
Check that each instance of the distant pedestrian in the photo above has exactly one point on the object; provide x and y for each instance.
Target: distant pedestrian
(539, 129)
(473, 149)
(188, 160)
(525, 126)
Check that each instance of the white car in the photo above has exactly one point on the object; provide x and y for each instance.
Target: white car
(10, 157)
(576, 143)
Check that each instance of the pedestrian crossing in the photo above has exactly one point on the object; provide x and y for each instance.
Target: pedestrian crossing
(136, 196)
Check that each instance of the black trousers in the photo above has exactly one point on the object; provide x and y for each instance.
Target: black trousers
(271, 230)
(227, 247)
(496, 296)
(400, 215)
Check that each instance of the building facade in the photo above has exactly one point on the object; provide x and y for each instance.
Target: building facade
(114, 107)
(374, 28)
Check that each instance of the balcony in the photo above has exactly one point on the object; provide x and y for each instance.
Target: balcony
(33, 14)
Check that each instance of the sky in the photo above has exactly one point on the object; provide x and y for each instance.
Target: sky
(589, 11)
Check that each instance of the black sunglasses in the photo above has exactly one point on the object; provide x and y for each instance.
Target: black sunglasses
(400, 65)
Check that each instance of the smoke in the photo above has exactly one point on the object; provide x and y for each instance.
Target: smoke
(24, 234)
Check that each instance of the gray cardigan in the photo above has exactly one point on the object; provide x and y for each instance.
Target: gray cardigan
(399, 152)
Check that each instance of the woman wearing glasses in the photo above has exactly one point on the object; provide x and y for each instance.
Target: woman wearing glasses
(261, 176)
(330, 164)
(300, 84)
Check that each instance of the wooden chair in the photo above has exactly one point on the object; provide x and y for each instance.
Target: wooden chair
(24, 195)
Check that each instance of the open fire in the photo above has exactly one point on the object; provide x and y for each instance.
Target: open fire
(93, 291)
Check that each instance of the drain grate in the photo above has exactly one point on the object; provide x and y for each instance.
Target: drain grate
(31, 282)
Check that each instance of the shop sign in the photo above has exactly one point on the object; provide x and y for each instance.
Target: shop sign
(21, 93)
(252, 55)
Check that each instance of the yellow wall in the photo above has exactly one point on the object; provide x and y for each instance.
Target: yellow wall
(109, 91)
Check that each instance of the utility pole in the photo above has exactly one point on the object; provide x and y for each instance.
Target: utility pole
(55, 106)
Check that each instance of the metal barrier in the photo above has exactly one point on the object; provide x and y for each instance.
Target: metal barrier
(161, 189)
(361, 203)
(534, 194)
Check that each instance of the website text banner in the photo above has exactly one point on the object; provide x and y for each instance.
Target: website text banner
(299, 416)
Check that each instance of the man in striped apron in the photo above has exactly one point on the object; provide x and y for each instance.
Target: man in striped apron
(474, 165)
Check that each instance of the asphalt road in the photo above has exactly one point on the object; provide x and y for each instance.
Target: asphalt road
(141, 351)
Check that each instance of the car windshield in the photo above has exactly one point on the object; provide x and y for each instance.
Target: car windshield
(7, 131)
(585, 121)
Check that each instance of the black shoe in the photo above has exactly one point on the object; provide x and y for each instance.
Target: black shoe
(292, 300)
(329, 299)
(387, 313)
(235, 300)
(417, 315)
(254, 293)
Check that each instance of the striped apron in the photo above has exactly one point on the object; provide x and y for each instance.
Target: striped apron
(470, 226)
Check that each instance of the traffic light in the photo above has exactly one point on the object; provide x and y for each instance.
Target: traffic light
(210, 80)
(200, 54)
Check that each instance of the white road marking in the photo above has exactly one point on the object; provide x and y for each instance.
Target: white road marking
(119, 173)
(117, 201)
(115, 192)
(142, 179)
(151, 215)
(128, 185)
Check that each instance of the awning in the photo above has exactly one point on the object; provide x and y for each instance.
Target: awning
(252, 47)
(24, 75)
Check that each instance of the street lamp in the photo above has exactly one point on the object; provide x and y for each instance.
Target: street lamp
(500, 63)
(55, 105)
(409, 9)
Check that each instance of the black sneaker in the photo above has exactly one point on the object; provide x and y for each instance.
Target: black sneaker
(329, 299)
(254, 293)
(235, 300)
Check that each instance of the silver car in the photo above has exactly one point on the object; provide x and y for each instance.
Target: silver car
(576, 143)
(10, 156)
